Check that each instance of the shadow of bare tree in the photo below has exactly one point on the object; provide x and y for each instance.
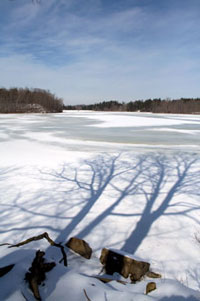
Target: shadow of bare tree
(140, 188)
(155, 179)
(163, 172)
(152, 179)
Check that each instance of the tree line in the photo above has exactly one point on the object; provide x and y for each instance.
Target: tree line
(19, 100)
(156, 105)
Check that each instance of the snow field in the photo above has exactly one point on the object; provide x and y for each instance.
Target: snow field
(143, 202)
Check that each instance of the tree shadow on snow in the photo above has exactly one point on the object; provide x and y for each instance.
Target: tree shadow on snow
(152, 178)
(177, 172)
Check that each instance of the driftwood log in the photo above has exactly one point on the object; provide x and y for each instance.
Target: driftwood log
(41, 236)
(107, 280)
(86, 295)
(36, 274)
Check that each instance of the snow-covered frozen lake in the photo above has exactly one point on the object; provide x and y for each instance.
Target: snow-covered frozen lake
(97, 131)
(128, 181)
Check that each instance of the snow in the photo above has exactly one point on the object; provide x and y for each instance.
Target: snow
(178, 131)
(129, 120)
(142, 200)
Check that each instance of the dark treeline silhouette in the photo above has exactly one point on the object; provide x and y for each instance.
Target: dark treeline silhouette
(156, 105)
(26, 100)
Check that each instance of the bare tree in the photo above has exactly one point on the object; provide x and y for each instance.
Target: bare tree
(29, 100)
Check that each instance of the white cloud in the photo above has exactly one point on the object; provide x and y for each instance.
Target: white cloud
(85, 54)
(87, 82)
(23, 15)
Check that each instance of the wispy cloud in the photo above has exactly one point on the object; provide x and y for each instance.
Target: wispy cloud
(87, 51)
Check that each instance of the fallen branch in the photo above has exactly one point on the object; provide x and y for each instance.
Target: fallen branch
(41, 236)
(36, 274)
(86, 295)
(106, 280)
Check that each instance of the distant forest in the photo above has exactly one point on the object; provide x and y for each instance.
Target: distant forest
(19, 100)
(157, 105)
(26, 100)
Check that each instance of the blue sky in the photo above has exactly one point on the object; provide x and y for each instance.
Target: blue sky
(87, 51)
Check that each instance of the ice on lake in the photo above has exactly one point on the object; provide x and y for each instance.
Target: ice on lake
(99, 131)
(128, 181)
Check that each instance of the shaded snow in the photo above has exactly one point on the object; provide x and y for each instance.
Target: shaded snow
(144, 203)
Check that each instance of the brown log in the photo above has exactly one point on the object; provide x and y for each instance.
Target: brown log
(36, 274)
(41, 236)
(106, 280)
(86, 295)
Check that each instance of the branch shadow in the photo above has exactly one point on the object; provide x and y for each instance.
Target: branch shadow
(179, 175)
(153, 178)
